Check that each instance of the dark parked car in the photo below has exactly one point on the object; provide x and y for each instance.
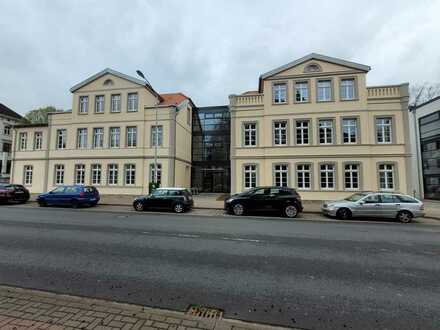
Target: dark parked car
(175, 199)
(74, 196)
(280, 199)
(13, 193)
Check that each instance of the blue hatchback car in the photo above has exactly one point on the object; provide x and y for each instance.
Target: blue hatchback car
(74, 196)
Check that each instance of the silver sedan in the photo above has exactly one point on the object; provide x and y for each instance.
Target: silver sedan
(376, 205)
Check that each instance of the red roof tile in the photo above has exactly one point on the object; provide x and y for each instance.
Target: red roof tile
(173, 98)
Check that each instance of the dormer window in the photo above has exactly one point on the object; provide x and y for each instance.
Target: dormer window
(312, 67)
(279, 93)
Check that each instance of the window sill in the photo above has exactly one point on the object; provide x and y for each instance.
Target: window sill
(324, 101)
(348, 100)
(279, 103)
(301, 102)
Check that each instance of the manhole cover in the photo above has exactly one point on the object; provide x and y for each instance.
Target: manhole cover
(205, 312)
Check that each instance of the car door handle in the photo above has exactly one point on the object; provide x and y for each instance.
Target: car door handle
(376, 204)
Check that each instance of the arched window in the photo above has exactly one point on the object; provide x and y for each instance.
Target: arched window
(313, 67)
(108, 82)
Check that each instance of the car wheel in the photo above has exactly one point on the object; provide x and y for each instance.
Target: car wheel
(404, 217)
(75, 204)
(238, 209)
(290, 211)
(42, 203)
(178, 208)
(138, 206)
(343, 214)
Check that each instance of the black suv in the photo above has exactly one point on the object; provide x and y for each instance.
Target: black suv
(175, 199)
(281, 199)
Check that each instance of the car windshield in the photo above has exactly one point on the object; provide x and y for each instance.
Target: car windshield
(355, 197)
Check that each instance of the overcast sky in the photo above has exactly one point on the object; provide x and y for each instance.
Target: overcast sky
(206, 49)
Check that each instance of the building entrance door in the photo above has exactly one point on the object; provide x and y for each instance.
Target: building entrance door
(215, 180)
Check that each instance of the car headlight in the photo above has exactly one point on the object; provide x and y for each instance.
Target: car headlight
(228, 200)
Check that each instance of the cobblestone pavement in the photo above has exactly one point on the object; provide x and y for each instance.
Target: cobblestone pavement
(24, 309)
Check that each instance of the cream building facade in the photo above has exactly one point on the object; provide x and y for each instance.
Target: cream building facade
(315, 125)
(108, 139)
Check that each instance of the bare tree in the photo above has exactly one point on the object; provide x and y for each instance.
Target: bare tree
(420, 93)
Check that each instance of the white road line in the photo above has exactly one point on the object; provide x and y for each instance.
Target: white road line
(241, 239)
(146, 232)
(188, 235)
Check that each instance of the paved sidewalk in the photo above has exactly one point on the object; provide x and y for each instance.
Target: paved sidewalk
(24, 309)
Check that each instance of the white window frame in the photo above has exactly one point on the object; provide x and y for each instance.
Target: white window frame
(302, 91)
(59, 174)
(328, 173)
(324, 91)
(28, 175)
(131, 136)
(386, 172)
(347, 123)
(351, 176)
(250, 132)
(81, 138)
(304, 172)
(130, 174)
(7, 130)
(302, 132)
(347, 89)
(96, 174)
(83, 104)
(281, 175)
(80, 174)
(159, 173)
(132, 102)
(115, 103)
(280, 133)
(384, 130)
(22, 141)
(115, 137)
(99, 104)
(279, 93)
(98, 137)
(38, 140)
(325, 126)
(156, 139)
(112, 174)
(250, 176)
(61, 138)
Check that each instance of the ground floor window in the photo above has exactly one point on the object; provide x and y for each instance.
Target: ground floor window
(303, 176)
(250, 176)
(113, 174)
(156, 176)
(327, 172)
(59, 174)
(130, 174)
(351, 176)
(28, 174)
(386, 176)
(281, 174)
(80, 174)
(96, 174)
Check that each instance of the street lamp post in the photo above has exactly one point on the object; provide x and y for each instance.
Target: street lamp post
(156, 135)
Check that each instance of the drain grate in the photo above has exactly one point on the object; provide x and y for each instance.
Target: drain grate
(205, 312)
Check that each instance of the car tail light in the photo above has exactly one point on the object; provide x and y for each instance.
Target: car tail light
(82, 194)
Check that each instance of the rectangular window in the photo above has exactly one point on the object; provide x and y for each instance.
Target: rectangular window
(132, 136)
(115, 103)
(156, 136)
(280, 133)
(132, 102)
(324, 90)
(61, 138)
(347, 89)
(22, 141)
(327, 172)
(250, 134)
(38, 140)
(351, 176)
(303, 176)
(96, 174)
(349, 130)
(28, 173)
(384, 130)
(98, 137)
(83, 104)
(326, 131)
(81, 138)
(80, 174)
(250, 176)
(281, 175)
(112, 173)
(59, 174)
(99, 104)
(279, 93)
(302, 132)
(301, 91)
(7, 130)
(386, 176)
(130, 174)
(156, 176)
(115, 137)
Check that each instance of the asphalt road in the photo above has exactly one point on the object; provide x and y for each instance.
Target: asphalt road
(307, 274)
